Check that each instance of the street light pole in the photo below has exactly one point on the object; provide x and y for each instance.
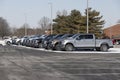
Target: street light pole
(25, 25)
(51, 18)
(87, 19)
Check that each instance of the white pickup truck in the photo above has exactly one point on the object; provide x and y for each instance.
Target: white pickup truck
(86, 41)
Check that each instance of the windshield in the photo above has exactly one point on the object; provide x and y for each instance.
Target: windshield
(74, 36)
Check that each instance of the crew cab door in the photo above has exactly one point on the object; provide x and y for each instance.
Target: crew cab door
(85, 41)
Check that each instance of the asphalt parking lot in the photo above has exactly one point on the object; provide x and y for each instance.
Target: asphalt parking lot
(18, 63)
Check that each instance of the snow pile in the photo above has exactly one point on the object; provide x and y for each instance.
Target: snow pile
(115, 50)
(111, 50)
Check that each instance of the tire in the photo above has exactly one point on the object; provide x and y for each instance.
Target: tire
(18, 43)
(57, 47)
(8, 43)
(49, 47)
(40, 45)
(104, 48)
(69, 47)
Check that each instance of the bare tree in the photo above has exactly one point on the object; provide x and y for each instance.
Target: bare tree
(58, 13)
(22, 31)
(118, 21)
(44, 24)
(4, 28)
(13, 30)
(19, 31)
(64, 13)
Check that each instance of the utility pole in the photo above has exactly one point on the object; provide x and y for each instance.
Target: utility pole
(25, 25)
(87, 18)
(51, 17)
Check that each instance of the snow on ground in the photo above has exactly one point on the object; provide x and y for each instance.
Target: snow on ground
(2, 42)
(111, 50)
(115, 50)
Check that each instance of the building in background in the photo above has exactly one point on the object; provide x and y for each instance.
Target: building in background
(113, 32)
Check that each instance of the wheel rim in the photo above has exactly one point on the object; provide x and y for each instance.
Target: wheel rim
(69, 47)
(57, 47)
(104, 48)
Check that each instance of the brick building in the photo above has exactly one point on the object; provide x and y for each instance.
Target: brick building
(113, 31)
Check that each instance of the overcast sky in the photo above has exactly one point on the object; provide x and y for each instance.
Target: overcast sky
(14, 11)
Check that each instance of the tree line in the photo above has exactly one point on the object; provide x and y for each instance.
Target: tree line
(6, 30)
(74, 22)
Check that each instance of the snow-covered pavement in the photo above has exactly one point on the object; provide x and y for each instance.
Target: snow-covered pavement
(115, 50)
(111, 50)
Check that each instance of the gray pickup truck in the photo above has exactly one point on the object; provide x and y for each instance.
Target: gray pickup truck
(86, 41)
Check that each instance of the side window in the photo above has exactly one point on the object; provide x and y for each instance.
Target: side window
(84, 37)
(88, 36)
(80, 37)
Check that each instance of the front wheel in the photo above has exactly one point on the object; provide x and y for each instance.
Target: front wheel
(69, 47)
(57, 47)
(104, 48)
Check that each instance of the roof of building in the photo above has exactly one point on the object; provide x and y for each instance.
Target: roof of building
(116, 25)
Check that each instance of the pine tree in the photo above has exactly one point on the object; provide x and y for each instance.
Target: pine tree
(75, 22)
(95, 22)
(68, 24)
(60, 24)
